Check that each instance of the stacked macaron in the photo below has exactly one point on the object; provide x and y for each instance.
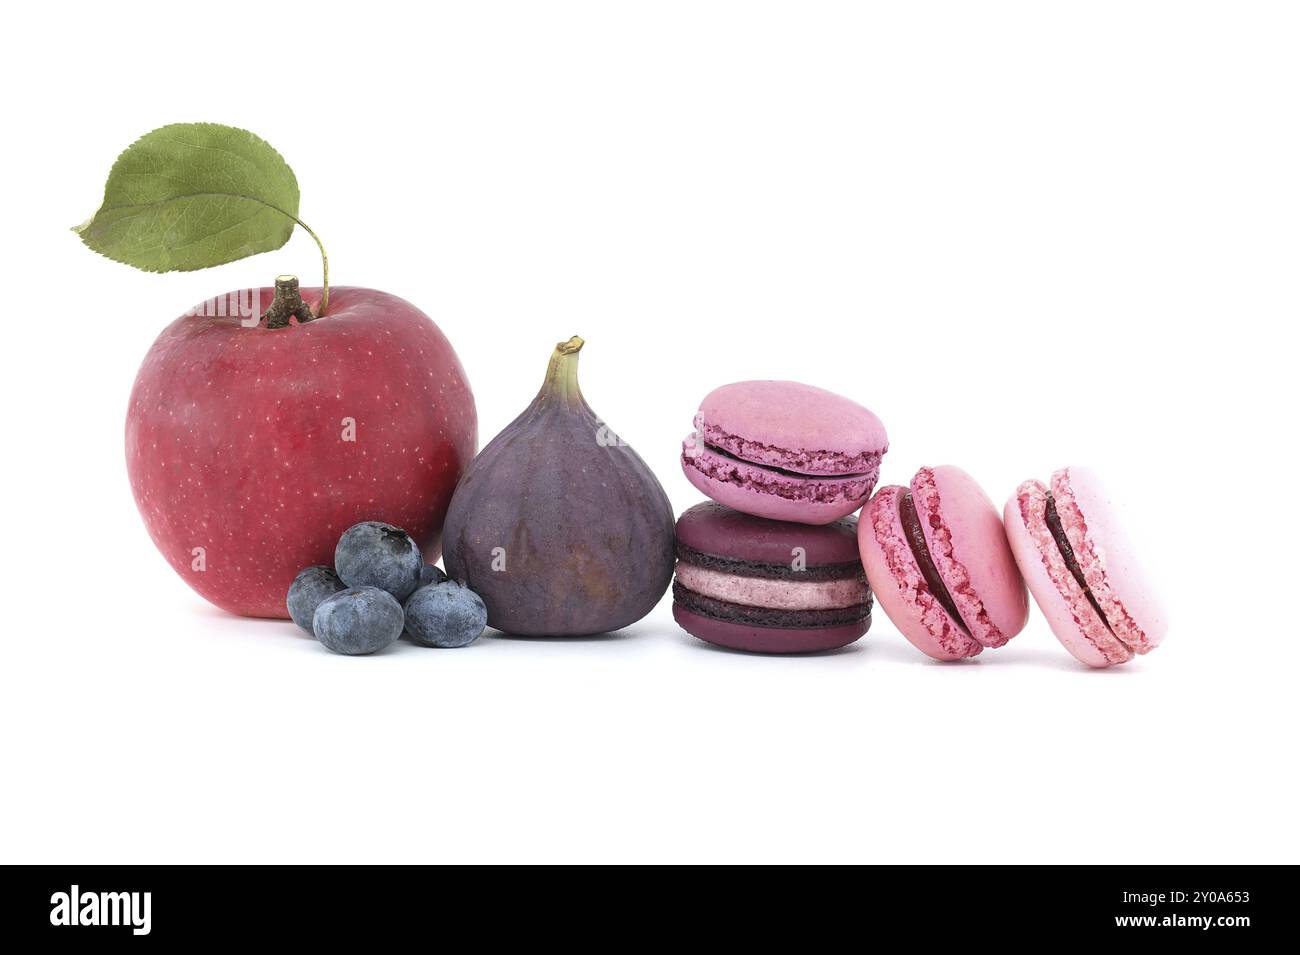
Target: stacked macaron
(783, 450)
(750, 583)
(772, 564)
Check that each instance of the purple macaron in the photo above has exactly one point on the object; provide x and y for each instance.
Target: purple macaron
(769, 586)
(784, 450)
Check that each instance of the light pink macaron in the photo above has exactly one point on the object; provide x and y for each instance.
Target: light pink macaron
(939, 564)
(785, 451)
(1082, 570)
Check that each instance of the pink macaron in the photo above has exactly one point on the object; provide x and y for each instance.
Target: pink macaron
(939, 564)
(1081, 568)
(785, 451)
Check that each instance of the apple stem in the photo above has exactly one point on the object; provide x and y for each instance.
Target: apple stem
(287, 303)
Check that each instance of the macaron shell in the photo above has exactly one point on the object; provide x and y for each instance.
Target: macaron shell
(772, 494)
(1110, 565)
(898, 585)
(1076, 624)
(768, 639)
(712, 528)
(791, 425)
(968, 544)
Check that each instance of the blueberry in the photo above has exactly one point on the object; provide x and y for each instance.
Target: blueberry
(431, 574)
(445, 615)
(309, 588)
(358, 620)
(373, 554)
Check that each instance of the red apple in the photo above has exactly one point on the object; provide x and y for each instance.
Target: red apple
(251, 449)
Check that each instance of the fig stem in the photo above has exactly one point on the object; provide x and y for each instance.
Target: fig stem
(287, 302)
(562, 372)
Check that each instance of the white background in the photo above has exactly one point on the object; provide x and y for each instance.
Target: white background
(1024, 234)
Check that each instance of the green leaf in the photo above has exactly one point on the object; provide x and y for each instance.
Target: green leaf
(193, 195)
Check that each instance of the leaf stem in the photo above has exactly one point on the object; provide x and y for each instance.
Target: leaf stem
(325, 268)
(324, 259)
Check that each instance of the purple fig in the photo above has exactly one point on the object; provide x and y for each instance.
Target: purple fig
(557, 524)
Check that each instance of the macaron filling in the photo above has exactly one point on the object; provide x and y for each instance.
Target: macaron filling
(758, 616)
(1090, 563)
(971, 608)
(915, 536)
(719, 465)
(918, 613)
(777, 592)
(1057, 530)
(1092, 626)
(798, 462)
(761, 594)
